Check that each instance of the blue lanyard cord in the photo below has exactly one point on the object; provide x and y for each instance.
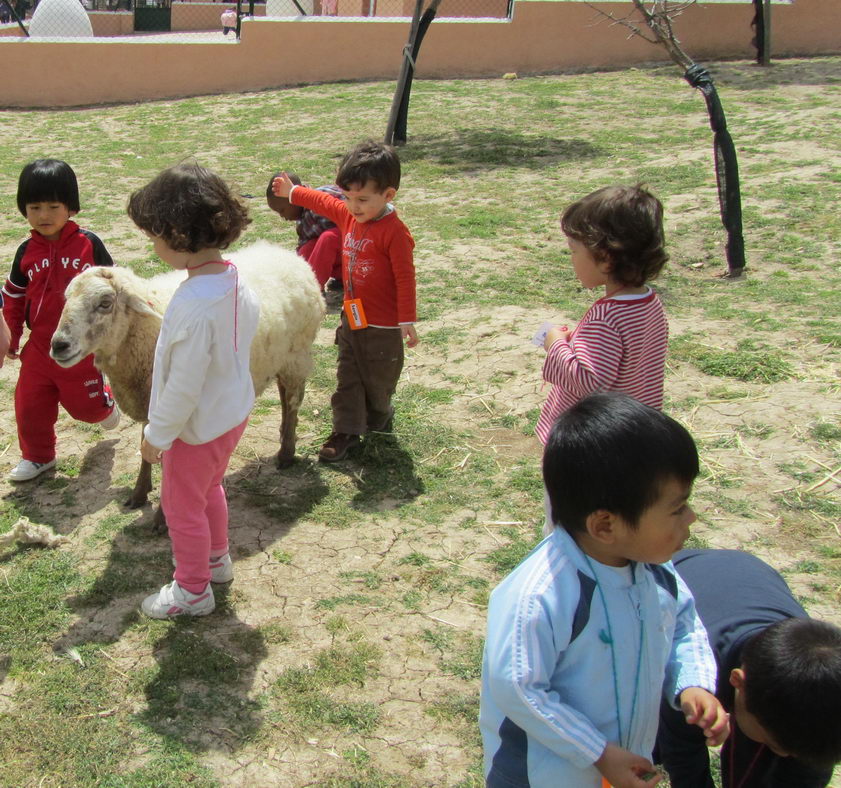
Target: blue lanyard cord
(608, 638)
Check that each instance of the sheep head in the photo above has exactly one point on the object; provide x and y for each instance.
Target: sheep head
(97, 313)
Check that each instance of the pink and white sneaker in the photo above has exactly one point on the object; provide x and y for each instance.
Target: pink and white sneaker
(221, 568)
(172, 601)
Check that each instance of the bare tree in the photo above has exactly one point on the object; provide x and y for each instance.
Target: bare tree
(396, 131)
(653, 21)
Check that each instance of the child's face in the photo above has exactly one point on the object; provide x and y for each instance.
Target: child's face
(284, 208)
(662, 528)
(366, 202)
(48, 218)
(176, 260)
(747, 722)
(590, 272)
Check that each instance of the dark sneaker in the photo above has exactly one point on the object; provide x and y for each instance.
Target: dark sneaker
(337, 446)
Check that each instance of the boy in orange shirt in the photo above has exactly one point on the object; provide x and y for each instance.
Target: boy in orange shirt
(379, 303)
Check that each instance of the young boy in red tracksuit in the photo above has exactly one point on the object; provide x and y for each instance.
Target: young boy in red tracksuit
(379, 302)
(57, 251)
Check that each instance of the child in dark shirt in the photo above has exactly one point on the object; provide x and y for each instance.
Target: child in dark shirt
(779, 676)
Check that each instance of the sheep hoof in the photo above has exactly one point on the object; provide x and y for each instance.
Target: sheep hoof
(284, 461)
(159, 522)
(135, 502)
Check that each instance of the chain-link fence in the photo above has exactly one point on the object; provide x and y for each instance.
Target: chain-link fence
(205, 19)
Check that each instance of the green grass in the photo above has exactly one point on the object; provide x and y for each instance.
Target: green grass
(347, 652)
(306, 697)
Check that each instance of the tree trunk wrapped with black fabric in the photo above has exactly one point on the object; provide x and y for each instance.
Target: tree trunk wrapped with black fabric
(726, 169)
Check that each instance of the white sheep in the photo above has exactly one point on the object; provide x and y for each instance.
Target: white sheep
(116, 315)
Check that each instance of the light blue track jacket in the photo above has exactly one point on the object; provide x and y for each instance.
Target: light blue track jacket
(548, 704)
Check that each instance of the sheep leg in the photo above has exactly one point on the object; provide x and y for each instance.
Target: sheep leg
(143, 485)
(290, 401)
(159, 521)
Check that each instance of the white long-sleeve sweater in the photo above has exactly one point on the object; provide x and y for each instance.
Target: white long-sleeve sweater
(201, 382)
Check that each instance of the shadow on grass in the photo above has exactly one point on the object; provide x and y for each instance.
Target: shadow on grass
(263, 505)
(468, 149)
(199, 693)
(383, 473)
(56, 498)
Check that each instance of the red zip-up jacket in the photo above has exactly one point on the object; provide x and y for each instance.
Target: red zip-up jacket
(34, 292)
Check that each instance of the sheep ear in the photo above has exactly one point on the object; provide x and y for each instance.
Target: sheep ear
(143, 307)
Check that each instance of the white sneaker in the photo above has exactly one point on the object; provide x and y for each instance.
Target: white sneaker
(221, 568)
(111, 421)
(172, 601)
(26, 470)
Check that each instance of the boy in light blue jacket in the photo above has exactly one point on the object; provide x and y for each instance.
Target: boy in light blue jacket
(594, 627)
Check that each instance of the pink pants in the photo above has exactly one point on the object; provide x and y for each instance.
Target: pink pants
(195, 505)
(324, 254)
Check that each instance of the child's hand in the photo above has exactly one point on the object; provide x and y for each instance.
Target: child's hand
(5, 339)
(622, 769)
(410, 335)
(703, 709)
(554, 334)
(281, 186)
(13, 355)
(150, 453)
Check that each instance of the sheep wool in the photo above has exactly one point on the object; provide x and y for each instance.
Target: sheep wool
(116, 315)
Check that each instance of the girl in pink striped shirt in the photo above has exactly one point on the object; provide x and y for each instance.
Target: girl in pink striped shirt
(616, 239)
(615, 235)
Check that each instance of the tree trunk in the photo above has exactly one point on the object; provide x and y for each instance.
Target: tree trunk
(726, 170)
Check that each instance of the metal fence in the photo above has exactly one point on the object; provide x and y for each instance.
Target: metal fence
(206, 19)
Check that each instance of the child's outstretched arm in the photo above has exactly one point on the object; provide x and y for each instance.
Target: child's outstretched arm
(282, 185)
(623, 769)
(703, 709)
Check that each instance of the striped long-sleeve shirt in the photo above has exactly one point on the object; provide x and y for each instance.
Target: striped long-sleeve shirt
(550, 700)
(619, 345)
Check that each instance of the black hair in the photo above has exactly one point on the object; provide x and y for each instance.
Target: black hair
(292, 177)
(190, 208)
(48, 180)
(370, 161)
(793, 687)
(611, 452)
(621, 225)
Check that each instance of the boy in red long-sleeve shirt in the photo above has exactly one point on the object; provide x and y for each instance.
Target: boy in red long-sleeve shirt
(379, 303)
